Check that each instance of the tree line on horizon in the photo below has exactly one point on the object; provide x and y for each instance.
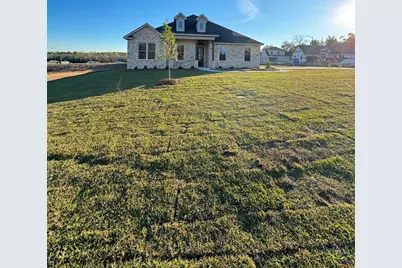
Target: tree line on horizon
(83, 57)
(298, 40)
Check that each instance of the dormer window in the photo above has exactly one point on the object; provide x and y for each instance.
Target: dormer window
(180, 25)
(201, 23)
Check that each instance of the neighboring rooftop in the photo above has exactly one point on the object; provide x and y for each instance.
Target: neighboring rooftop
(342, 48)
(308, 49)
(275, 48)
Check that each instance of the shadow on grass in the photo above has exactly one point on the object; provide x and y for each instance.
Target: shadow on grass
(103, 82)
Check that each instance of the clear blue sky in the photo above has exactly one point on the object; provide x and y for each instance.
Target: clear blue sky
(94, 25)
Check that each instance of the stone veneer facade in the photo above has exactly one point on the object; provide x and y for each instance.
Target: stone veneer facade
(235, 56)
(145, 35)
(234, 53)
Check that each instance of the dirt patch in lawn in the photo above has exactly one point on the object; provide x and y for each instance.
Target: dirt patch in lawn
(75, 67)
(57, 71)
(57, 75)
(168, 82)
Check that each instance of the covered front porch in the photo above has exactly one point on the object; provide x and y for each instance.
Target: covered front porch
(204, 53)
(203, 47)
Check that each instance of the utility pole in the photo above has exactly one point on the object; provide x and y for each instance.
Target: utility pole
(311, 45)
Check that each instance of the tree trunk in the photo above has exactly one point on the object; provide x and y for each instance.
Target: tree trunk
(169, 68)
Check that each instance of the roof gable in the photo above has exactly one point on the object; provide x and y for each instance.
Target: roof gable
(202, 16)
(180, 15)
(130, 34)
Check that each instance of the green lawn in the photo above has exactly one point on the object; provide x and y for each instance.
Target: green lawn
(102, 82)
(222, 170)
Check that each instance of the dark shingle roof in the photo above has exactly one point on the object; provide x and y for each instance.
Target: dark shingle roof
(342, 48)
(307, 49)
(225, 35)
(275, 48)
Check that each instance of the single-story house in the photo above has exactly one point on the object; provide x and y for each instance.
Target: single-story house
(200, 43)
(339, 52)
(275, 55)
(307, 54)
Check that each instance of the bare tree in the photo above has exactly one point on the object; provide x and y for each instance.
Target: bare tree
(299, 40)
(288, 46)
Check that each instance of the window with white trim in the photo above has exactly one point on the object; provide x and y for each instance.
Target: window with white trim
(222, 54)
(142, 51)
(151, 51)
(180, 52)
(247, 54)
(180, 24)
(146, 51)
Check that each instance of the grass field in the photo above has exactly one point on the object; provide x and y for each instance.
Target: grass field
(221, 170)
(102, 82)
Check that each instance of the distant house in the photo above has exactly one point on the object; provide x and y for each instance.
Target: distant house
(306, 54)
(275, 55)
(53, 62)
(93, 61)
(339, 52)
(200, 43)
(309, 55)
(64, 62)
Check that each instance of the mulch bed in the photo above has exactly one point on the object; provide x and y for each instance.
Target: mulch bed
(168, 82)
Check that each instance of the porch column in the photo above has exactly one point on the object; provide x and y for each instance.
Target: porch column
(196, 47)
(213, 54)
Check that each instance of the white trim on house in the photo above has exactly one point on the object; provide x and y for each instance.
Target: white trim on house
(146, 50)
(180, 14)
(249, 44)
(202, 15)
(208, 35)
(196, 36)
(140, 28)
(201, 21)
(180, 20)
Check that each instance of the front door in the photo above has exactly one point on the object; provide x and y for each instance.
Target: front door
(200, 56)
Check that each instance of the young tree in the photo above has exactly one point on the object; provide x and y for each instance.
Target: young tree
(168, 45)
